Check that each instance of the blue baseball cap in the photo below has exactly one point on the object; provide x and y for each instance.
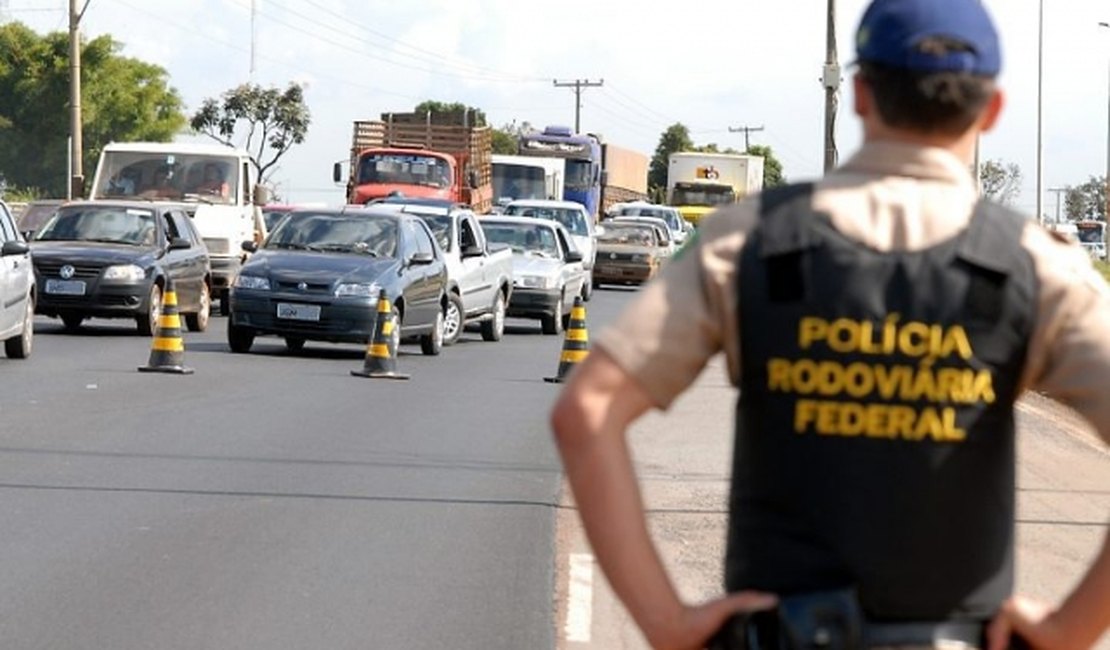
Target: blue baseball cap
(891, 33)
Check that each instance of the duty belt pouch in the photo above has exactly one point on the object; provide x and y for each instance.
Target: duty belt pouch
(829, 620)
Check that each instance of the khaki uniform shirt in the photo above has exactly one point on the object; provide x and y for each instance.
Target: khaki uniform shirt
(890, 197)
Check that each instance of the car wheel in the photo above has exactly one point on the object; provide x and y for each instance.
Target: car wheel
(19, 347)
(198, 322)
(588, 287)
(239, 339)
(494, 328)
(431, 344)
(225, 302)
(72, 322)
(148, 323)
(453, 320)
(294, 344)
(553, 323)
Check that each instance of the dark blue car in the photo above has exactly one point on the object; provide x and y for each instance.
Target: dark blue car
(318, 277)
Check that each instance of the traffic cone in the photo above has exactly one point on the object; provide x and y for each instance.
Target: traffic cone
(576, 345)
(167, 350)
(381, 354)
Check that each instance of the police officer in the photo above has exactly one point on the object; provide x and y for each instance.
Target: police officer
(879, 324)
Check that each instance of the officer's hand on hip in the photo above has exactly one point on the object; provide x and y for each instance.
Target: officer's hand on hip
(1030, 620)
(699, 623)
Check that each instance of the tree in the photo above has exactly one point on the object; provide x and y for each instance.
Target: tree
(1087, 201)
(271, 120)
(506, 140)
(123, 99)
(772, 168)
(675, 138)
(1000, 181)
(456, 110)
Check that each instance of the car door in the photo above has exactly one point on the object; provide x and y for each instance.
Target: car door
(574, 273)
(193, 267)
(476, 285)
(13, 276)
(175, 263)
(416, 277)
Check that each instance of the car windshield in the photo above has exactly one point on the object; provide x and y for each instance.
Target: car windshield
(171, 176)
(570, 218)
(336, 233)
(523, 238)
(273, 217)
(36, 214)
(404, 169)
(440, 225)
(579, 174)
(627, 233)
(1089, 235)
(513, 181)
(111, 225)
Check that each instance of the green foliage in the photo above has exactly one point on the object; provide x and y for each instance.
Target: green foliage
(269, 120)
(1000, 182)
(1087, 201)
(456, 110)
(506, 140)
(772, 168)
(675, 138)
(123, 99)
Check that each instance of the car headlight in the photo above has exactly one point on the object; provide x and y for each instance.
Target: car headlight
(358, 290)
(537, 281)
(641, 259)
(124, 273)
(252, 282)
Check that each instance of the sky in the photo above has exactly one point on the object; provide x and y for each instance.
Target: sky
(711, 65)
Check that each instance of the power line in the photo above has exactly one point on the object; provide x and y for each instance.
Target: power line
(747, 131)
(578, 85)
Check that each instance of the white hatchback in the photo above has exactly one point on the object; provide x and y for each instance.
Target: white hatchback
(17, 289)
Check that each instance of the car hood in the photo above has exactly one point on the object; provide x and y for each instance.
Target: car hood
(624, 249)
(534, 265)
(92, 252)
(318, 268)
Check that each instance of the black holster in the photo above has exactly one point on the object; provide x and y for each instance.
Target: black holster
(829, 620)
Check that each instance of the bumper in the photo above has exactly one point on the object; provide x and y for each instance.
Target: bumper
(339, 322)
(532, 303)
(99, 301)
(623, 273)
(224, 270)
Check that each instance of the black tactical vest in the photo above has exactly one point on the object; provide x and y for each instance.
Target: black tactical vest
(875, 426)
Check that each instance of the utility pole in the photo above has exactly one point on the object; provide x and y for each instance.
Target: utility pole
(578, 85)
(1040, 113)
(1058, 191)
(831, 80)
(747, 131)
(254, 34)
(1107, 179)
(77, 180)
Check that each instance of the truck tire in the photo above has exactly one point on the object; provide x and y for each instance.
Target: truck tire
(494, 328)
(553, 323)
(454, 319)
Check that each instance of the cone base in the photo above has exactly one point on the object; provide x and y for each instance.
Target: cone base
(379, 375)
(554, 380)
(172, 370)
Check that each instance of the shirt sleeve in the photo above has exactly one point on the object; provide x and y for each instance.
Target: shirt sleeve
(1069, 354)
(687, 314)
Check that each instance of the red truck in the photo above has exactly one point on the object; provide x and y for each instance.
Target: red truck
(420, 155)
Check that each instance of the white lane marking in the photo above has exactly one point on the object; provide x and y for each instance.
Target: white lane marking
(580, 597)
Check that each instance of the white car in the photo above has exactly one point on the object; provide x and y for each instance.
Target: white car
(574, 218)
(678, 226)
(17, 289)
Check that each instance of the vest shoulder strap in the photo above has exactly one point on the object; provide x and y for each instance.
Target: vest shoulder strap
(783, 212)
(993, 239)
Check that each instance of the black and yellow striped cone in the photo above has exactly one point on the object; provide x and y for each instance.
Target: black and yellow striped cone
(576, 345)
(381, 353)
(167, 351)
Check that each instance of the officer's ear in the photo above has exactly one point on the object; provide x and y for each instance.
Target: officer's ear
(992, 111)
(862, 103)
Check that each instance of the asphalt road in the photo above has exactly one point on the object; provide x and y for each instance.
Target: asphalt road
(272, 500)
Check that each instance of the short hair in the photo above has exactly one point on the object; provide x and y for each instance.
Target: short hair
(945, 103)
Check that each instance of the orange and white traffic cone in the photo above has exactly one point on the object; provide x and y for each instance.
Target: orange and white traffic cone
(381, 353)
(167, 350)
(576, 344)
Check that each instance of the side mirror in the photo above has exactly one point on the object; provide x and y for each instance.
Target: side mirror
(420, 259)
(249, 246)
(180, 243)
(574, 256)
(14, 248)
(337, 173)
(472, 250)
(261, 195)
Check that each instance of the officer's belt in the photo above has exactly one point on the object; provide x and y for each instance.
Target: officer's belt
(879, 635)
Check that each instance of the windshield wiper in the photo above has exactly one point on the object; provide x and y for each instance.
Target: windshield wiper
(287, 245)
(105, 240)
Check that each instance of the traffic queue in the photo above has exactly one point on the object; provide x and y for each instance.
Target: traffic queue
(321, 272)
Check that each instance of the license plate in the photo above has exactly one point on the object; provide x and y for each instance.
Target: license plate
(66, 287)
(609, 270)
(298, 312)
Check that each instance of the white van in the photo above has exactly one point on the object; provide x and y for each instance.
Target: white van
(218, 185)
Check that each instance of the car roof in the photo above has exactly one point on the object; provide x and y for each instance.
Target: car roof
(149, 204)
(409, 200)
(546, 203)
(520, 221)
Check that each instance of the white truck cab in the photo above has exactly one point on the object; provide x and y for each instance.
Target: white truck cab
(218, 185)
